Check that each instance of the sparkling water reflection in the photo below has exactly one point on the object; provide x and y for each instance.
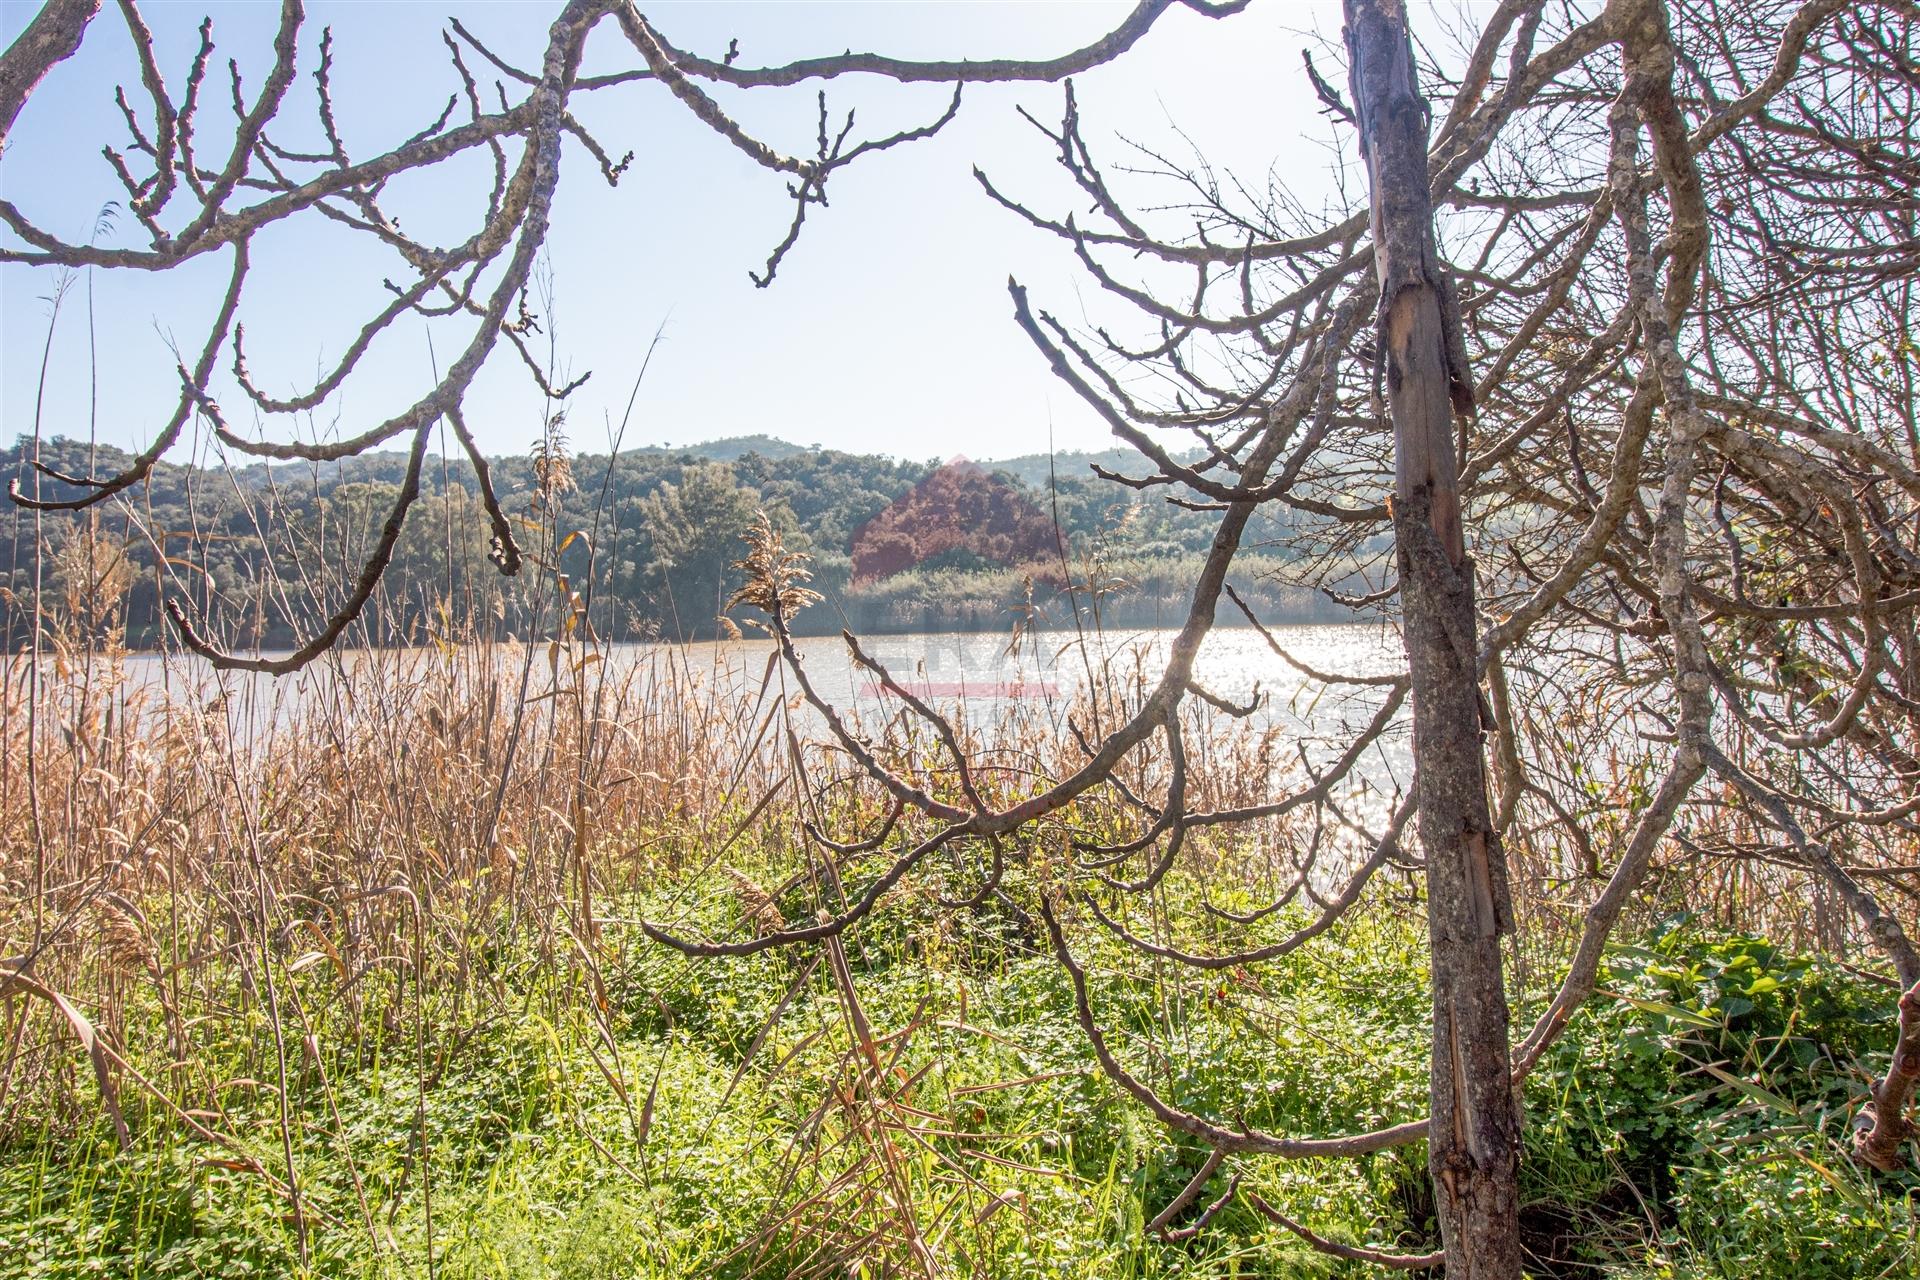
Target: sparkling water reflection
(974, 676)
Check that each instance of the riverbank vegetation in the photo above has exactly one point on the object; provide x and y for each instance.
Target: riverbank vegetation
(260, 546)
(358, 960)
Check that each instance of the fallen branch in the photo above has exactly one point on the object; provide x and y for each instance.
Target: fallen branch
(1351, 1252)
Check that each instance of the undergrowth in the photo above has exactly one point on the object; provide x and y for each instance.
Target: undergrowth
(366, 951)
(641, 1117)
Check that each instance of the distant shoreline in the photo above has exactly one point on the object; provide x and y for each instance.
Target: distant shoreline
(815, 625)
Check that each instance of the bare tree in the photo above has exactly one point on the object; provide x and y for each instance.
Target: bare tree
(1473, 1140)
(1666, 292)
(192, 205)
(1626, 316)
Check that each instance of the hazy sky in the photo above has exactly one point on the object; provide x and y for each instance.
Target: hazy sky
(888, 330)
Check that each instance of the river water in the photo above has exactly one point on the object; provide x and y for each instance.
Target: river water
(979, 678)
(973, 671)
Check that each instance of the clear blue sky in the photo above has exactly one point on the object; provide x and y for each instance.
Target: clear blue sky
(889, 329)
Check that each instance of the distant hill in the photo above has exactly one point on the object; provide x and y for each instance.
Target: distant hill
(733, 448)
(1030, 469)
(1033, 469)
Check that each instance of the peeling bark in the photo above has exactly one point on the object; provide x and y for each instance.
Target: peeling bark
(1474, 1133)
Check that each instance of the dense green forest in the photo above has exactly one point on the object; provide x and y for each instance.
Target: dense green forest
(644, 548)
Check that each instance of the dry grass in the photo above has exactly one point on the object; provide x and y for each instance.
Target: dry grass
(409, 816)
(447, 830)
(418, 821)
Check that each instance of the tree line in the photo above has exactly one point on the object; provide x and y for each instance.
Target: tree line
(652, 534)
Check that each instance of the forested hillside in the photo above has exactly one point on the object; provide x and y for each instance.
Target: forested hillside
(263, 550)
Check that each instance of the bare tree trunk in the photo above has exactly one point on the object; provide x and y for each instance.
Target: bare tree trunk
(1474, 1139)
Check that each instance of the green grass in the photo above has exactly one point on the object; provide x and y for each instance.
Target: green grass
(564, 1144)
